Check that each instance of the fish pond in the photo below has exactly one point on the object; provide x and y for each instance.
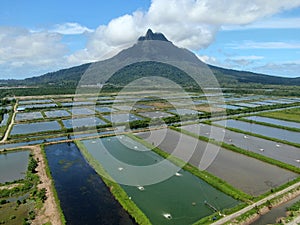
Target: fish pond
(13, 165)
(104, 109)
(122, 117)
(267, 131)
(57, 113)
(4, 120)
(180, 199)
(245, 173)
(274, 121)
(83, 122)
(28, 128)
(28, 116)
(282, 152)
(83, 196)
(82, 111)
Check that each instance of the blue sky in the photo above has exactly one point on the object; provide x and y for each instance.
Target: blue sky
(37, 36)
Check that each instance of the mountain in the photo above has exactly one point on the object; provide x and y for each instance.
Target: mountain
(152, 55)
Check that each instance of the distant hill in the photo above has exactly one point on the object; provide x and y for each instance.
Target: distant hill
(151, 55)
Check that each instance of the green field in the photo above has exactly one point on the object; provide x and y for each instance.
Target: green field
(14, 214)
(287, 114)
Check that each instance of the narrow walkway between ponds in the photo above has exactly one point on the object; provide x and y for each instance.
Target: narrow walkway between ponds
(260, 202)
(11, 124)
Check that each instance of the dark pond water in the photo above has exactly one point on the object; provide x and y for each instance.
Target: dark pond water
(280, 211)
(84, 197)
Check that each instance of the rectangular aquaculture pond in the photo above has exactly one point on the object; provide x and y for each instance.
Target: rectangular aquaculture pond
(39, 106)
(67, 104)
(164, 192)
(28, 116)
(34, 101)
(57, 113)
(282, 152)
(272, 132)
(84, 198)
(13, 165)
(245, 173)
(4, 120)
(104, 109)
(274, 121)
(122, 118)
(83, 122)
(28, 128)
(82, 111)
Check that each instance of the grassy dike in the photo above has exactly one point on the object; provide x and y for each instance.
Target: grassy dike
(48, 172)
(292, 114)
(117, 191)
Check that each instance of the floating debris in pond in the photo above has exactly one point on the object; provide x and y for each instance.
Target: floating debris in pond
(277, 145)
(167, 216)
(120, 168)
(245, 136)
(178, 174)
(261, 150)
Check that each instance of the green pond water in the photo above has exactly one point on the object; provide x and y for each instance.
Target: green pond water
(180, 196)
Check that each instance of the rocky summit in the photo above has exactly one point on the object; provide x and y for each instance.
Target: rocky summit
(153, 36)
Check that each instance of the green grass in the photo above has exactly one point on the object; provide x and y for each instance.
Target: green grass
(14, 214)
(287, 114)
(117, 191)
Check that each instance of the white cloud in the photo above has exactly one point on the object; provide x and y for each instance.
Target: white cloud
(208, 59)
(22, 51)
(264, 45)
(191, 24)
(247, 57)
(290, 69)
(70, 28)
(272, 23)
